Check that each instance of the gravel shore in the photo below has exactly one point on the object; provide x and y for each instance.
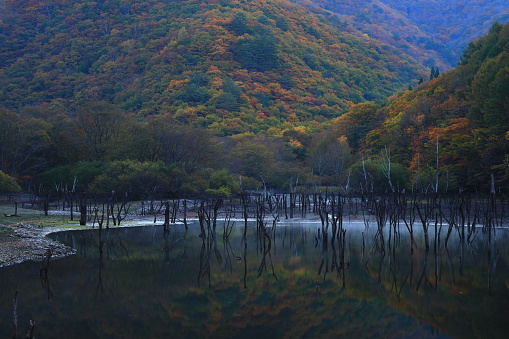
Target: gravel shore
(28, 242)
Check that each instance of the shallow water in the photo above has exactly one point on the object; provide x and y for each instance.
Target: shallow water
(288, 283)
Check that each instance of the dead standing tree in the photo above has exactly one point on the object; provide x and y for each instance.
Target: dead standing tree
(408, 217)
(245, 215)
(425, 211)
(83, 210)
(217, 205)
(208, 235)
(381, 214)
(330, 210)
(203, 219)
(166, 225)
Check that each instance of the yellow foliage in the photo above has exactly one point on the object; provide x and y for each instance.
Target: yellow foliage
(213, 70)
(217, 83)
(260, 115)
(293, 117)
(176, 85)
(301, 129)
(274, 132)
(295, 143)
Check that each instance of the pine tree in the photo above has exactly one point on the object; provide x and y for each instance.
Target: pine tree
(434, 73)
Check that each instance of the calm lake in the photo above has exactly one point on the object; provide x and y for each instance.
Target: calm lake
(286, 283)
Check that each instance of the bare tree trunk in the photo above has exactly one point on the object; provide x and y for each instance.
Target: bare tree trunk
(71, 203)
(83, 211)
(365, 175)
(46, 204)
(244, 211)
(386, 166)
(166, 217)
(217, 205)
(184, 203)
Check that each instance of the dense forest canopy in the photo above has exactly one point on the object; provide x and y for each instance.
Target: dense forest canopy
(229, 66)
(157, 98)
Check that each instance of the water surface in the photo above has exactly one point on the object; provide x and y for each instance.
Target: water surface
(289, 282)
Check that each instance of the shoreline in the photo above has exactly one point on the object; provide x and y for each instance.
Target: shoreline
(26, 241)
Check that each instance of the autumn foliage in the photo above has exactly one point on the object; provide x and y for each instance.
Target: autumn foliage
(261, 94)
(450, 133)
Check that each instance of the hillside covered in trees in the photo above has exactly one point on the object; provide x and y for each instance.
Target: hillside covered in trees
(152, 99)
(229, 66)
(433, 32)
(449, 134)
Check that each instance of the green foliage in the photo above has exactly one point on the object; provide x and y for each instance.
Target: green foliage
(222, 183)
(8, 184)
(256, 53)
(329, 155)
(264, 160)
(23, 141)
(100, 124)
(358, 122)
(194, 95)
(134, 180)
(282, 23)
(239, 24)
(489, 89)
(434, 73)
(72, 178)
(372, 175)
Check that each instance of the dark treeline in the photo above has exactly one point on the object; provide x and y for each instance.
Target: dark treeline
(102, 152)
(98, 150)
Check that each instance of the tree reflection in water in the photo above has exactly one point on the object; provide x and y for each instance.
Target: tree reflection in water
(391, 280)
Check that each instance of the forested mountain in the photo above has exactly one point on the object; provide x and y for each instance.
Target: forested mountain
(449, 134)
(231, 66)
(434, 32)
(165, 98)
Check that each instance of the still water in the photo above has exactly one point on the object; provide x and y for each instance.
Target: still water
(289, 282)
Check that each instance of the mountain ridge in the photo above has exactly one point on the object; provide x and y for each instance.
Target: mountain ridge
(435, 33)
